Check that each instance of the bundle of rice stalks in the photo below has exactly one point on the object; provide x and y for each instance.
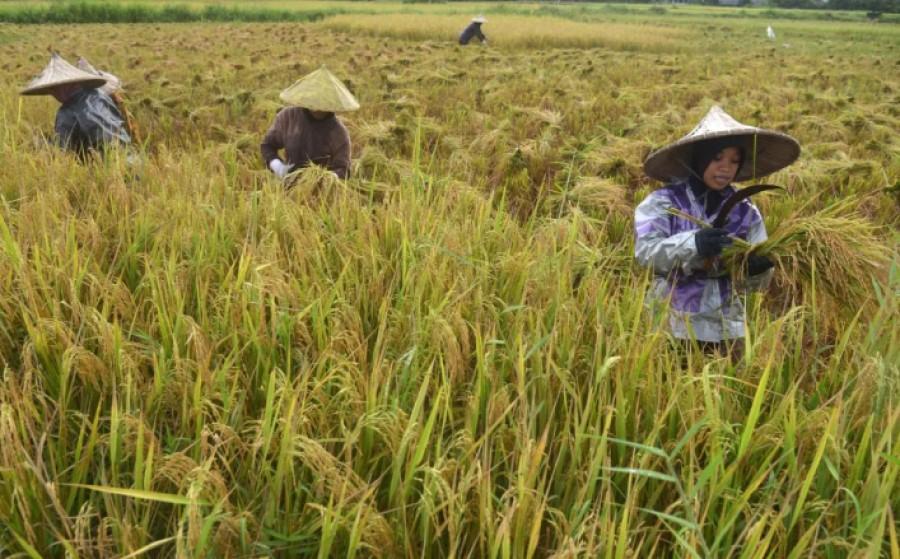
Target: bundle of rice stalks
(834, 250)
(375, 191)
(596, 197)
(827, 150)
(374, 132)
(440, 76)
(549, 117)
(247, 143)
(540, 156)
(375, 164)
(620, 158)
(310, 181)
(845, 167)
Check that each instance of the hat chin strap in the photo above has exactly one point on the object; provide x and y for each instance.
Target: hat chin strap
(690, 170)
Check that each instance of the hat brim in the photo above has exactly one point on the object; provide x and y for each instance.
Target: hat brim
(315, 105)
(46, 89)
(767, 152)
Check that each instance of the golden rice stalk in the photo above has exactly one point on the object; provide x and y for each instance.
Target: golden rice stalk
(835, 249)
(308, 181)
(375, 164)
(597, 195)
(374, 132)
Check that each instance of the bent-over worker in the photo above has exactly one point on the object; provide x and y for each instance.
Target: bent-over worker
(308, 130)
(473, 30)
(88, 120)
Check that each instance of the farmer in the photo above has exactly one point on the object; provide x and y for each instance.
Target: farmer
(699, 169)
(308, 131)
(88, 119)
(473, 30)
(113, 88)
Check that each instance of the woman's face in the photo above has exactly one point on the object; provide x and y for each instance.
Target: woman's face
(722, 169)
(62, 92)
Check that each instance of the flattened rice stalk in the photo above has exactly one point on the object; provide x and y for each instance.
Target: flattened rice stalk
(596, 196)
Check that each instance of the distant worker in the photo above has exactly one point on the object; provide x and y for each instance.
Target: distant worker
(770, 33)
(308, 130)
(88, 120)
(705, 304)
(473, 30)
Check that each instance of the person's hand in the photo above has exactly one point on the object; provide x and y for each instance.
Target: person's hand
(711, 241)
(280, 168)
(757, 264)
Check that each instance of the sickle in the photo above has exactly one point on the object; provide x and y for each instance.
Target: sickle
(722, 217)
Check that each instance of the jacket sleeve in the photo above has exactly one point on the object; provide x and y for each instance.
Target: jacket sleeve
(655, 246)
(756, 235)
(100, 122)
(465, 35)
(339, 162)
(68, 133)
(274, 138)
(480, 35)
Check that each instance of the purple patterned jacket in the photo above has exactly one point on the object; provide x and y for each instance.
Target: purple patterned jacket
(703, 305)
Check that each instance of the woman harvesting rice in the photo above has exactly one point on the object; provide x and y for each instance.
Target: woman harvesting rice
(699, 169)
(309, 132)
(472, 31)
(88, 120)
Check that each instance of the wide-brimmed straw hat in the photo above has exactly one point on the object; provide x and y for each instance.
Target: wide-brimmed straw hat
(113, 83)
(766, 151)
(479, 19)
(59, 72)
(320, 91)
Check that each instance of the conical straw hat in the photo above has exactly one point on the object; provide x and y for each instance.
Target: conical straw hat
(59, 72)
(320, 91)
(767, 150)
(113, 83)
(479, 19)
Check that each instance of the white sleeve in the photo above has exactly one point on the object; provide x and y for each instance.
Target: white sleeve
(655, 246)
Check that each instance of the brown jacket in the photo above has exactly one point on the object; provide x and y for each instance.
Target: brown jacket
(306, 140)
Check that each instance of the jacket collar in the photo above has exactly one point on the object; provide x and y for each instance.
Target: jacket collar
(710, 198)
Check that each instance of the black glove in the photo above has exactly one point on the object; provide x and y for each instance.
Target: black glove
(757, 264)
(711, 241)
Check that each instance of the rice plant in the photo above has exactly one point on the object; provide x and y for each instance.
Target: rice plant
(450, 354)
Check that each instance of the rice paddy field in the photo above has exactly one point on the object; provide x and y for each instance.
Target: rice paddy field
(449, 354)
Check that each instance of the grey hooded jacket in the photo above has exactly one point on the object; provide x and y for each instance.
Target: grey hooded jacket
(88, 120)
